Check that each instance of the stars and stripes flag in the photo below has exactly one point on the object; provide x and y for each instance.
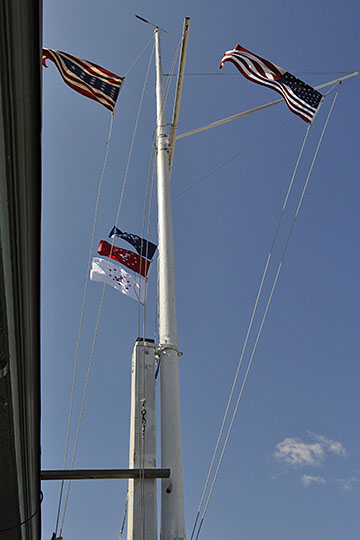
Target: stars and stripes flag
(142, 246)
(127, 258)
(301, 98)
(85, 77)
(117, 277)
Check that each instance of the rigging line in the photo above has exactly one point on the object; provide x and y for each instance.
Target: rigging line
(267, 309)
(140, 283)
(146, 202)
(250, 328)
(156, 318)
(143, 374)
(83, 403)
(142, 439)
(82, 314)
(141, 432)
(138, 56)
(336, 85)
(224, 163)
(133, 140)
(125, 515)
(18, 525)
(216, 74)
(142, 232)
(148, 234)
(172, 69)
(168, 83)
(166, 95)
(256, 109)
(139, 375)
(104, 287)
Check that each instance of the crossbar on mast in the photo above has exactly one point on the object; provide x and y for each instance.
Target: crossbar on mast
(103, 474)
(256, 109)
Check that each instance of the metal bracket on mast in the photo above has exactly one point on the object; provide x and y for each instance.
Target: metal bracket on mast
(163, 348)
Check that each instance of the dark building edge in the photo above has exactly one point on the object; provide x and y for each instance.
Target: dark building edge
(20, 211)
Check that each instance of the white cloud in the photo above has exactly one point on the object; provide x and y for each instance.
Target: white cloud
(297, 453)
(348, 483)
(332, 446)
(306, 479)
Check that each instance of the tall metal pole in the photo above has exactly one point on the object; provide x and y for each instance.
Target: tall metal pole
(172, 500)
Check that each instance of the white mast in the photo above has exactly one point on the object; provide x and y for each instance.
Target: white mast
(172, 500)
(142, 509)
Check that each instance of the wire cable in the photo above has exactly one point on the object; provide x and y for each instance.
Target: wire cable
(265, 315)
(250, 326)
(226, 162)
(139, 56)
(143, 234)
(142, 396)
(18, 525)
(82, 314)
(216, 74)
(101, 300)
(125, 515)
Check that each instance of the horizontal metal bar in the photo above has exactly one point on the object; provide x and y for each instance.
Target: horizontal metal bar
(228, 119)
(103, 474)
(250, 111)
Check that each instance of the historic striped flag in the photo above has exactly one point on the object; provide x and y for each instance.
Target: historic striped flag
(144, 247)
(117, 277)
(301, 98)
(127, 258)
(85, 77)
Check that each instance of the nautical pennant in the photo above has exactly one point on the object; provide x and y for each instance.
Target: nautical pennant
(85, 77)
(142, 246)
(117, 277)
(301, 98)
(127, 258)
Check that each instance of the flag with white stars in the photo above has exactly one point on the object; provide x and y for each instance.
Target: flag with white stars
(86, 77)
(131, 260)
(112, 274)
(145, 248)
(301, 98)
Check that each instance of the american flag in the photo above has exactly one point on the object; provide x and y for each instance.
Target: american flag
(85, 77)
(301, 98)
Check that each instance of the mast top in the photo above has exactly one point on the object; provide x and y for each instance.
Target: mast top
(151, 24)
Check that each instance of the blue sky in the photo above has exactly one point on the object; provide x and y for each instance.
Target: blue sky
(292, 466)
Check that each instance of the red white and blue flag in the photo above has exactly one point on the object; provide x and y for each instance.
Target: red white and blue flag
(86, 77)
(142, 246)
(127, 258)
(301, 98)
